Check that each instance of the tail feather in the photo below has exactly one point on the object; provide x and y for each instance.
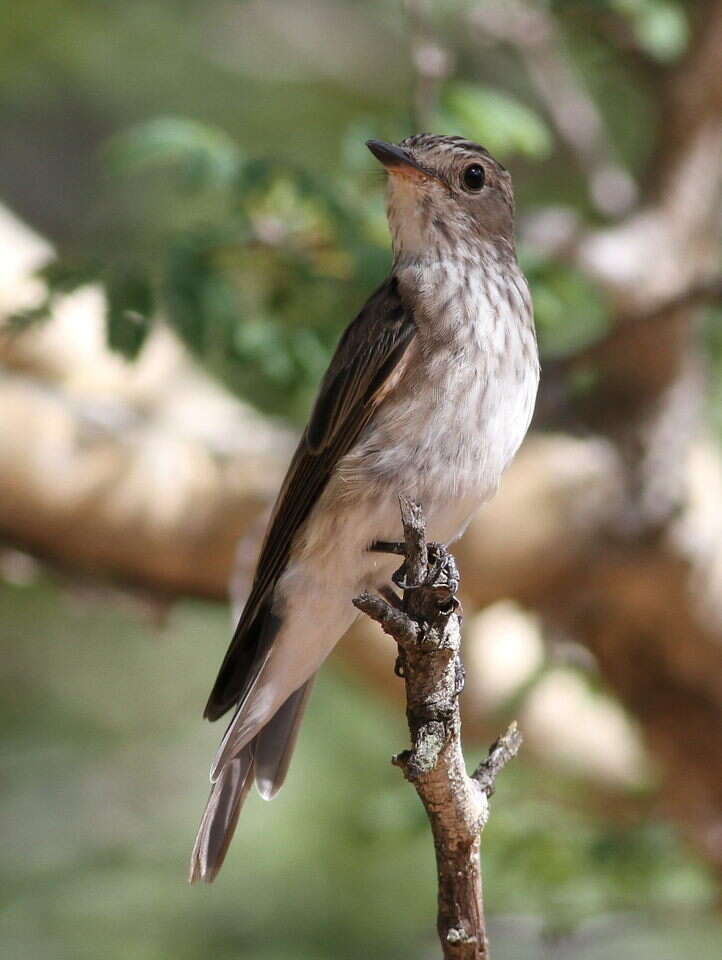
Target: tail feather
(221, 816)
(266, 756)
(275, 743)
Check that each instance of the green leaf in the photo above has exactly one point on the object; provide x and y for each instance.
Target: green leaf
(660, 26)
(203, 155)
(662, 30)
(22, 319)
(569, 311)
(67, 274)
(130, 304)
(501, 123)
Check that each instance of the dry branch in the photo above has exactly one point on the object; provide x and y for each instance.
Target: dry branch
(426, 628)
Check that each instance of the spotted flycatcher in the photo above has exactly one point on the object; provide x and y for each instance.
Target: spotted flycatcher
(429, 394)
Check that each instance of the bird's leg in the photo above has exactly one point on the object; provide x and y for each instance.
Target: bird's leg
(397, 547)
(437, 556)
(443, 571)
(436, 593)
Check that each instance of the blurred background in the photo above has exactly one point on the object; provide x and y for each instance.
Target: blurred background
(188, 218)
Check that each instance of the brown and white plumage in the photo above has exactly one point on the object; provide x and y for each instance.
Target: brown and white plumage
(352, 388)
(429, 393)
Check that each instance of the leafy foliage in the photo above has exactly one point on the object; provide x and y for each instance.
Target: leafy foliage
(258, 263)
(257, 250)
(202, 157)
(501, 122)
(660, 26)
(129, 311)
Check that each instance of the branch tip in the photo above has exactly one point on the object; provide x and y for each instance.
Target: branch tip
(392, 620)
(417, 556)
(500, 753)
(424, 621)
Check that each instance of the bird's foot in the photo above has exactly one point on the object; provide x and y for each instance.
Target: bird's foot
(442, 573)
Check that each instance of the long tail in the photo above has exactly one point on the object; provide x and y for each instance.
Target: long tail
(221, 816)
(275, 743)
(268, 757)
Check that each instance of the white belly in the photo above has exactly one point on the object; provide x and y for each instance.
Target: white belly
(448, 477)
(444, 439)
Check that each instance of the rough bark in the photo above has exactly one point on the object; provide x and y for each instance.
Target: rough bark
(426, 625)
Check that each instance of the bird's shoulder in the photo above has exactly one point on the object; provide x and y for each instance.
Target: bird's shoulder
(367, 354)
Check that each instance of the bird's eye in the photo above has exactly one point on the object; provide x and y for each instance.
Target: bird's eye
(474, 177)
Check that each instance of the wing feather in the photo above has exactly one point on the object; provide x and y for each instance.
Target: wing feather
(368, 353)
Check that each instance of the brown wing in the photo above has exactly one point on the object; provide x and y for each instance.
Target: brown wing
(368, 352)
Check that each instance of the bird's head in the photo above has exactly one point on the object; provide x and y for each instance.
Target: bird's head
(447, 196)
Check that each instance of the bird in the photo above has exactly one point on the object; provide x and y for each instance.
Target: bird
(429, 394)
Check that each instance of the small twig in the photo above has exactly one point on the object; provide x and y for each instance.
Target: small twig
(394, 621)
(426, 627)
(431, 63)
(500, 753)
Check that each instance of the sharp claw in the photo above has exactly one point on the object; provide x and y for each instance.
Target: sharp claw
(403, 584)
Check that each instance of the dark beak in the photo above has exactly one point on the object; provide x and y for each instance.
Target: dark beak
(392, 156)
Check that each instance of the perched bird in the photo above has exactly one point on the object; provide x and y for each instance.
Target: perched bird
(429, 394)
